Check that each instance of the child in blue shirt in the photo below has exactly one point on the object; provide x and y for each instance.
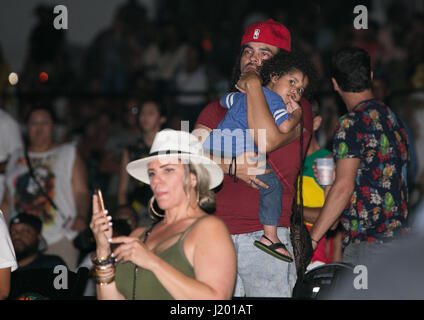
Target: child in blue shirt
(284, 77)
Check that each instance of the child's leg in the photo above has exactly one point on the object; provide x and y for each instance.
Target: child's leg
(270, 202)
(270, 210)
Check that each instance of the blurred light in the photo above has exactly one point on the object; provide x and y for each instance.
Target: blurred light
(13, 78)
(207, 45)
(44, 77)
(316, 289)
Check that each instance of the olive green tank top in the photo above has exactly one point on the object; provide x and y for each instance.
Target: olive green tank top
(147, 286)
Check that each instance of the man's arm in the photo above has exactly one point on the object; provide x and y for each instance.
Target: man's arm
(259, 117)
(338, 197)
(246, 168)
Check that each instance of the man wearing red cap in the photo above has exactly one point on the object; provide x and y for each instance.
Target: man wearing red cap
(237, 202)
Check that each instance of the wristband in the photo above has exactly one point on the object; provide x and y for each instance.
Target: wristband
(234, 160)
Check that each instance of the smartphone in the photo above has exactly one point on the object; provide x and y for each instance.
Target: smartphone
(101, 202)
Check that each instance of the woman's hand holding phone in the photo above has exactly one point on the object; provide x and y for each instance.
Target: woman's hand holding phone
(101, 225)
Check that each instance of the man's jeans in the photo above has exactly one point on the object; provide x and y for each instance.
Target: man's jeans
(258, 273)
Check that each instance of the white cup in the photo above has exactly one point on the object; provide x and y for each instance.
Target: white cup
(325, 169)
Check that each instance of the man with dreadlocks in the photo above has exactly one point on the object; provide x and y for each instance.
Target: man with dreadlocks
(237, 202)
(285, 77)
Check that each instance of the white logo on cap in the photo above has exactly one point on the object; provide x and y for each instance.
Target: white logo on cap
(256, 34)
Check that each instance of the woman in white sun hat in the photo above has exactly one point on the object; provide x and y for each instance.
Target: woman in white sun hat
(186, 255)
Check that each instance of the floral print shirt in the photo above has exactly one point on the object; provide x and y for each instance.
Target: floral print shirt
(377, 209)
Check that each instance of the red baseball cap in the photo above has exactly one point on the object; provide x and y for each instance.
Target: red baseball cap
(270, 32)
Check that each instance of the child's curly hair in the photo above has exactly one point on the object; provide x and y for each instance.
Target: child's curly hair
(285, 62)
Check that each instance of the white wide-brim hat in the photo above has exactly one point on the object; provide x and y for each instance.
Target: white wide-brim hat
(170, 143)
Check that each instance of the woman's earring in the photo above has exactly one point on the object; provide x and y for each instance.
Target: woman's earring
(152, 209)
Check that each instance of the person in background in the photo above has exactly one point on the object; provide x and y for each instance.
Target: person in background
(25, 232)
(192, 85)
(370, 191)
(10, 141)
(8, 262)
(48, 180)
(151, 118)
(329, 248)
(127, 214)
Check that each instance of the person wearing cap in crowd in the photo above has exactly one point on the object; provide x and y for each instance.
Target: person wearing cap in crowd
(25, 232)
(258, 274)
(8, 262)
(186, 255)
(285, 77)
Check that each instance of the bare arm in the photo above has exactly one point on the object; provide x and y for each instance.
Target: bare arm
(81, 193)
(338, 196)
(291, 122)
(5, 204)
(246, 168)
(124, 179)
(259, 117)
(210, 251)
(102, 232)
(4, 283)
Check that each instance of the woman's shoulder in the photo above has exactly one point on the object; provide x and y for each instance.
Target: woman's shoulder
(209, 224)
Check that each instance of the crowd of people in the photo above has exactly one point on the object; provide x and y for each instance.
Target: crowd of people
(175, 206)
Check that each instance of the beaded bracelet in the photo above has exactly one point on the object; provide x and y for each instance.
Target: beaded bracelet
(102, 261)
(234, 160)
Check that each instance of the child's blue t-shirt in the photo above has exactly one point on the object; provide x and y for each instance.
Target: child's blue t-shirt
(231, 137)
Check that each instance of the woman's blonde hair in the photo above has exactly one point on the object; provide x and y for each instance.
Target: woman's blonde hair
(206, 197)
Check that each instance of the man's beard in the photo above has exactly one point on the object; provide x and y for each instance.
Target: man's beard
(26, 251)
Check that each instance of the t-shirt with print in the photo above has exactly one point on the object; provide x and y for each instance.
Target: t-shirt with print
(53, 171)
(377, 209)
(231, 135)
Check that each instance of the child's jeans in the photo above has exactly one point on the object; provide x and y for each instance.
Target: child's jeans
(270, 199)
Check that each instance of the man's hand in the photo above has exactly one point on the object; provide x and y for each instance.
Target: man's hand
(249, 166)
(245, 79)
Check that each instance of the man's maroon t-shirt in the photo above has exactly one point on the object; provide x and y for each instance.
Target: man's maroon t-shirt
(237, 204)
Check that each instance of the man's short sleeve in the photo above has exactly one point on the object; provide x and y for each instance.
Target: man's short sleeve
(347, 141)
(276, 106)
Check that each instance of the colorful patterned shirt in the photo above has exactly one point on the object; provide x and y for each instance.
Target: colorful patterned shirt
(377, 209)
